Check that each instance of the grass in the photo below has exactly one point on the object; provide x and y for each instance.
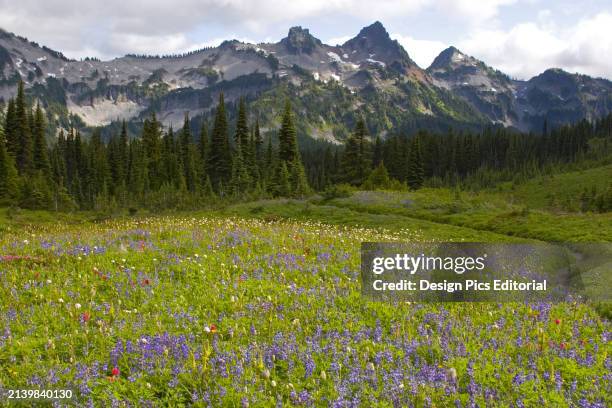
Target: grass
(264, 309)
(482, 211)
(554, 192)
(339, 215)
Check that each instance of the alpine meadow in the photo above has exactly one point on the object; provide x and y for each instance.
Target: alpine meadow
(186, 229)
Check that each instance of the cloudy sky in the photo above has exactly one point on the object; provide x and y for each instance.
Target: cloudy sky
(519, 37)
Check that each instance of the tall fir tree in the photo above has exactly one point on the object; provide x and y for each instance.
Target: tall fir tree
(41, 156)
(356, 159)
(219, 158)
(123, 151)
(241, 136)
(377, 154)
(283, 181)
(151, 139)
(11, 129)
(9, 184)
(299, 182)
(258, 143)
(287, 138)
(203, 145)
(24, 134)
(241, 181)
(289, 158)
(415, 173)
(58, 160)
(99, 176)
(188, 156)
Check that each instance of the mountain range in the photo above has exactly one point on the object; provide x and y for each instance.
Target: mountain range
(330, 86)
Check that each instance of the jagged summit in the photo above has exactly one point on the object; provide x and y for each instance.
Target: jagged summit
(299, 40)
(374, 44)
(374, 35)
(375, 31)
(448, 57)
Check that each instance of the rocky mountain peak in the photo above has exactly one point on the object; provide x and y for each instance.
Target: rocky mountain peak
(374, 35)
(300, 41)
(375, 31)
(374, 44)
(451, 58)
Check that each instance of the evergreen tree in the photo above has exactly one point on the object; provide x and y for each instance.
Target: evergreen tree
(151, 140)
(299, 182)
(23, 135)
(138, 183)
(41, 157)
(188, 156)
(350, 161)
(287, 138)
(172, 166)
(258, 144)
(283, 181)
(58, 160)
(123, 152)
(9, 185)
(208, 188)
(11, 131)
(415, 166)
(219, 158)
(242, 129)
(241, 181)
(356, 161)
(250, 158)
(203, 153)
(99, 176)
(377, 155)
(378, 178)
(269, 162)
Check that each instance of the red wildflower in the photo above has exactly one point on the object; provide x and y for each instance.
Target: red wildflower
(213, 328)
(115, 371)
(557, 321)
(145, 282)
(85, 317)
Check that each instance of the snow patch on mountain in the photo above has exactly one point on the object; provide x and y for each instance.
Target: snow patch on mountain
(334, 57)
(373, 61)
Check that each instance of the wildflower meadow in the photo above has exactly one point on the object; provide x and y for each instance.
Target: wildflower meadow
(226, 311)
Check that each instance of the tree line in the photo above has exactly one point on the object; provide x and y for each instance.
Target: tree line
(158, 169)
(464, 159)
(164, 168)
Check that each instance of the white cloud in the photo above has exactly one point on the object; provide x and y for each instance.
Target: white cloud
(116, 27)
(338, 40)
(73, 27)
(474, 11)
(423, 52)
(527, 49)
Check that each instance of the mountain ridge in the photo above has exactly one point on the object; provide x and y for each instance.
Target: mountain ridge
(379, 79)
